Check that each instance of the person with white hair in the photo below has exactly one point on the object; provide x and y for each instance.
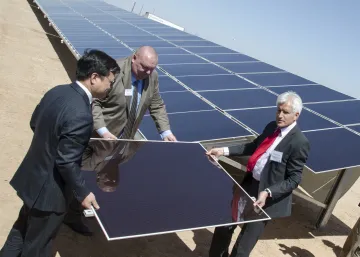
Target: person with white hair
(274, 170)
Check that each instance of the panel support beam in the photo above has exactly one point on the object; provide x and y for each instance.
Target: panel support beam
(333, 197)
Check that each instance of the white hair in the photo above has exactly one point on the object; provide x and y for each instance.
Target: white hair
(293, 98)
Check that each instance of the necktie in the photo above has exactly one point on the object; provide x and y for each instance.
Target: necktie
(261, 150)
(132, 115)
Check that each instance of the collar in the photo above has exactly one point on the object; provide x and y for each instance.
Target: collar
(133, 78)
(286, 130)
(86, 90)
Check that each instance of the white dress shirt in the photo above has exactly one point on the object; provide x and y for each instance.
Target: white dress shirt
(261, 162)
(86, 91)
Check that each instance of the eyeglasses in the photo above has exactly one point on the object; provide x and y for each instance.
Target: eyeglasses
(111, 82)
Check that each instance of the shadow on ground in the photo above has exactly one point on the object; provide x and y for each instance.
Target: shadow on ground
(67, 59)
(70, 244)
(302, 224)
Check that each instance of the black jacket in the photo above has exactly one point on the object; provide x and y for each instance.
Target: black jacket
(281, 178)
(49, 175)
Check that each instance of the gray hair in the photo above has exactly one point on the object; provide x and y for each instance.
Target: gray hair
(291, 97)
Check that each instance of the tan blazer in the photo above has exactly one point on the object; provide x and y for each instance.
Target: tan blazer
(112, 112)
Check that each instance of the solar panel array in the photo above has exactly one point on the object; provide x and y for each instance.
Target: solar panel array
(210, 91)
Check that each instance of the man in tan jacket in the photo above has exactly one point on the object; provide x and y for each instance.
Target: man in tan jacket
(135, 90)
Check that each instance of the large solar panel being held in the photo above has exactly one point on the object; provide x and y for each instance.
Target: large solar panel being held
(212, 92)
(172, 195)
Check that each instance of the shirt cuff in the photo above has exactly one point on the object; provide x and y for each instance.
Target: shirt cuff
(102, 130)
(165, 133)
(226, 151)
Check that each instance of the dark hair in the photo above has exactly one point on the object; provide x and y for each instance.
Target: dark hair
(95, 61)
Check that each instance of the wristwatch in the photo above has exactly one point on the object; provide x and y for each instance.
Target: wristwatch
(268, 191)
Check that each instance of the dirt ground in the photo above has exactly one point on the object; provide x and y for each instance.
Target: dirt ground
(32, 62)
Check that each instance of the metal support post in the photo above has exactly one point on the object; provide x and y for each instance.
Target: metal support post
(333, 197)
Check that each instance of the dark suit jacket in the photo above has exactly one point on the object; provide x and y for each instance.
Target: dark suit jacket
(281, 178)
(112, 112)
(49, 176)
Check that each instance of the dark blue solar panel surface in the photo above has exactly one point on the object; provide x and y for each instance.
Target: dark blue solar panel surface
(277, 79)
(136, 200)
(228, 57)
(313, 93)
(333, 149)
(196, 126)
(257, 119)
(338, 111)
(181, 38)
(169, 50)
(215, 82)
(188, 58)
(193, 69)
(128, 39)
(198, 50)
(250, 67)
(167, 84)
(183, 102)
(238, 99)
(96, 44)
(194, 43)
(355, 127)
(154, 44)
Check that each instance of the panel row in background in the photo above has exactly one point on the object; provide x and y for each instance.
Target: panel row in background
(252, 104)
(202, 114)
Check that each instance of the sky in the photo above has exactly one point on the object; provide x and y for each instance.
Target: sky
(318, 40)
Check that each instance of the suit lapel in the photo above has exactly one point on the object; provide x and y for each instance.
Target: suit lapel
(285, 141)
(126, 79)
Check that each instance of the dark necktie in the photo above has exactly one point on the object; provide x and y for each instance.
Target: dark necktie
(261, 150)
(132, 115)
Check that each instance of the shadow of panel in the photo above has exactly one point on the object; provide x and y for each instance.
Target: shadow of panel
(67, 59)
(71, 244)
(295, 251)
(300, 225)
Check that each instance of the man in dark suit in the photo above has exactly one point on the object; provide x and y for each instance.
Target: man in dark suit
(49, 177)
(274, 170)
(136, 90)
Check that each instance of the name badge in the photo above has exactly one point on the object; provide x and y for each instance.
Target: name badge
(276, 156)
(128, 92)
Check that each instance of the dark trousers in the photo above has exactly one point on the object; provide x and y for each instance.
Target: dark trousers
(32, 234)
(74, 213)
(245, 242)
(248, 236)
